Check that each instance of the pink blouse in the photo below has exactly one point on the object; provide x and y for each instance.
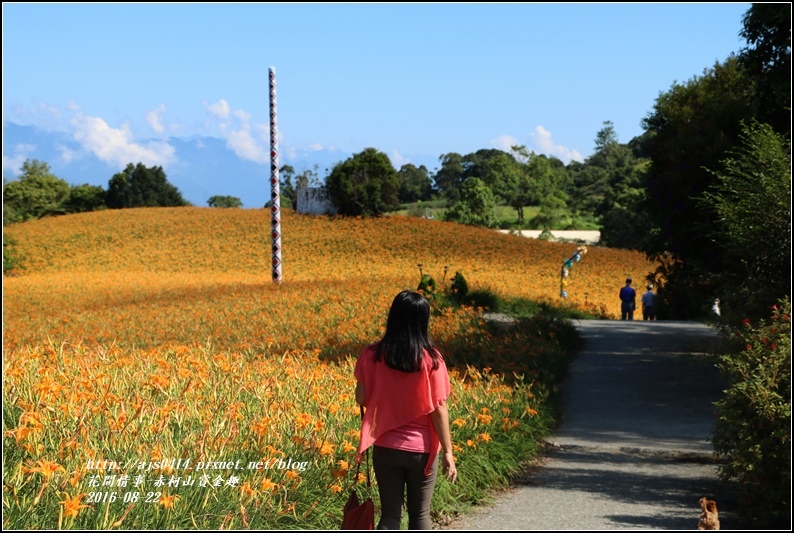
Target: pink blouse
(396, 399)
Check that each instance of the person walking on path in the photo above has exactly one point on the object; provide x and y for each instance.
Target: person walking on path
(648, 308)
(403, 383)
(628, 299)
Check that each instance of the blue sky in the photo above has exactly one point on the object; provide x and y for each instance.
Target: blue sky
(414, 80)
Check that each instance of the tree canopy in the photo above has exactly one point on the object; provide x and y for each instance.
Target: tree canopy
(752, 201)
(139, 186)
(37, 193)
(364, 185)
(224, 201)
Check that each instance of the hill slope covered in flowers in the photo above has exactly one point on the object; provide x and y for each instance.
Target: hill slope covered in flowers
(146, 336)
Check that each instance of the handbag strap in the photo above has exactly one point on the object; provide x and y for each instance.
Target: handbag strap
(366, 454)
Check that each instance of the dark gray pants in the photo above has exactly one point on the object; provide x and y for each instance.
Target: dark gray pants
(395, 471)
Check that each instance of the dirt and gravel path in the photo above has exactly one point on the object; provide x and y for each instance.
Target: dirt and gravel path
(633, 450)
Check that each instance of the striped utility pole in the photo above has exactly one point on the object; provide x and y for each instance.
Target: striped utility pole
(275, 193)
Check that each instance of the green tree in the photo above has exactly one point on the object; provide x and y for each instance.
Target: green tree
(310, 177)
(626, 224)
(767, 60)
(450, 177)
(475, 206)
(36, 194)
(503, 174)
(286, 188)
(415, 183)
(547, 177)
(139, 186)
(224, 201)
(752, 200)
(456, 169)
(604, 175)
(692, 127)
(552, 214)
(84, 198)
(364, 185)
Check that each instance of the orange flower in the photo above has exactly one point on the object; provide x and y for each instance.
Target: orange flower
(485, 437)
(484, 419)
(303, 420)
(326, 448)
(246, 490)
(261, 426)
(168, 501)
(47, 468)
(459, 422)
(266, 484)
(72, 506)
(336, 489)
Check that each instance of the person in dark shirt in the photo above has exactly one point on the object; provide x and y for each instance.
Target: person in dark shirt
(628, 297)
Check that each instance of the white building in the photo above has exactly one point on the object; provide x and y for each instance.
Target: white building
(314, 200)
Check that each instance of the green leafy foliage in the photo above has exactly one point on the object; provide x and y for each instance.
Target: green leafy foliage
(475, 207)
(364, 185)
(427, 286)
(415, 183)
(460, 286)
(693, 125)
(11, 259)
(224, 201)
(139, 186)
(753, 429)
(37, 193)
(752, 201)
(84, 198)
(767, 59)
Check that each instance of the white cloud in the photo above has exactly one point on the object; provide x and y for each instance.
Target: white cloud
(398, 160)
(219, 109)
(153, 118)
(248, 140)
(50, 110)
(317, 147)
(245, 146)
(244, 116)
(504, 143)
(67, 155)
(13, 163)
(544, 144)
(116, 146)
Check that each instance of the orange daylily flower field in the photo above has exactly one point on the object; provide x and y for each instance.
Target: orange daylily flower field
(156, 378)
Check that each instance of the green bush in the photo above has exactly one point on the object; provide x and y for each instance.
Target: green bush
(11, 259)
(427, 286)
(459, 286)
(753, 431)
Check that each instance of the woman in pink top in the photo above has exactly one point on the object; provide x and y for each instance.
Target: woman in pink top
(403, 385)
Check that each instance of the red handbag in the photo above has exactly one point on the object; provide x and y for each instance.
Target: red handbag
(357, 515)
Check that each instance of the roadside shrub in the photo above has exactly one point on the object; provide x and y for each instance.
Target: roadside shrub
(753, 430)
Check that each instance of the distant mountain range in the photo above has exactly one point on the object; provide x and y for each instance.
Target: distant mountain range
(204, 166)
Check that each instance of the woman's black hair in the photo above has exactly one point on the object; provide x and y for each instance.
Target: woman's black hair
(406, 341)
